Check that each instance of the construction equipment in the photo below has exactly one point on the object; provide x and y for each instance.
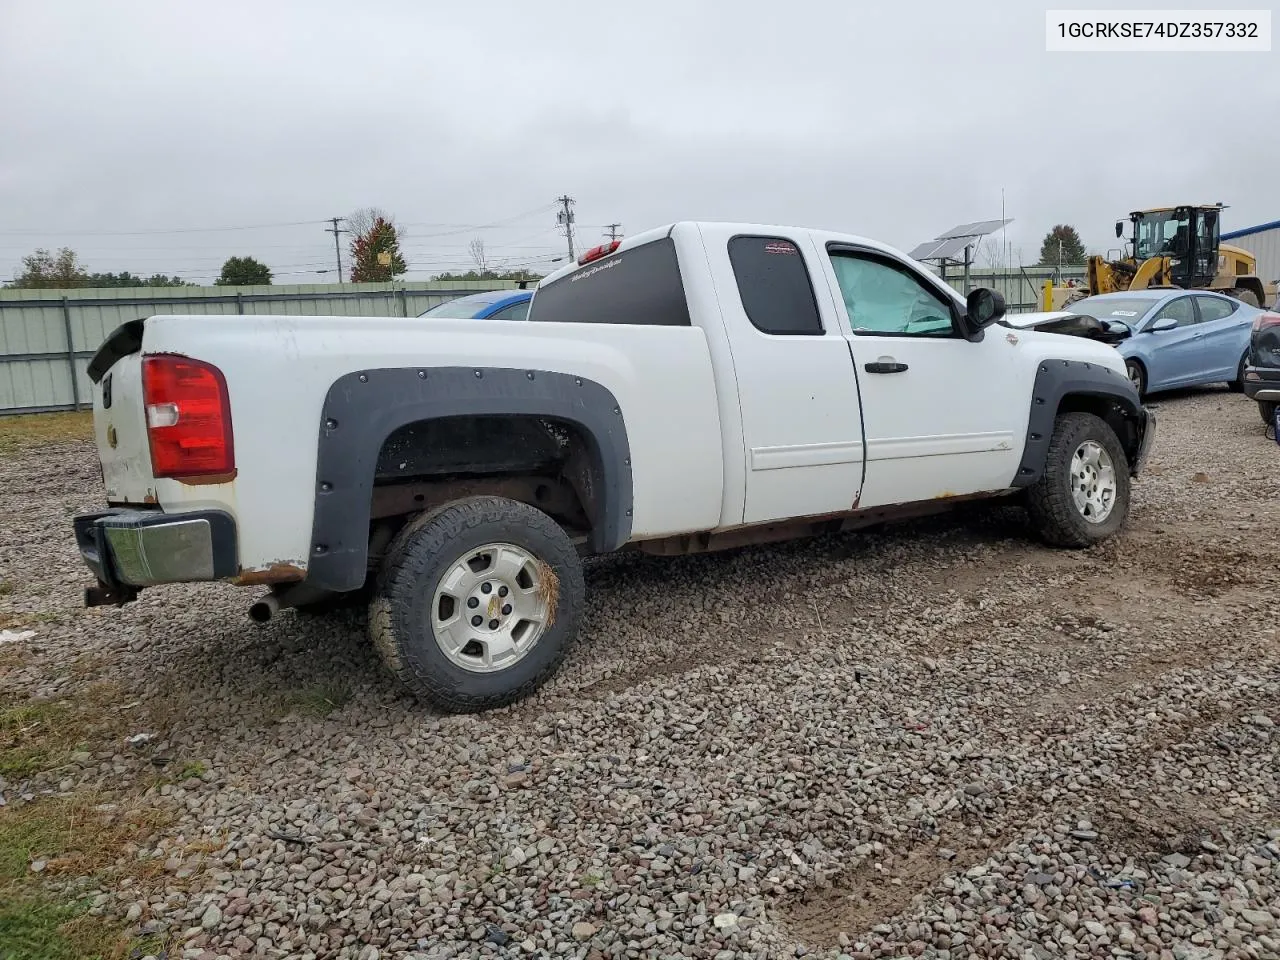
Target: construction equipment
(1171, 247)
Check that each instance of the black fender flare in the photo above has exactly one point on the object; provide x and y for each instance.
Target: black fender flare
(1057, 380)
(363, 408)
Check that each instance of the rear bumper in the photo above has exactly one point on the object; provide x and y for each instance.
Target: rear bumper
(130, 549)
(1262, 383)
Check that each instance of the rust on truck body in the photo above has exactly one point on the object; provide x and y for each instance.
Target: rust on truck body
(279, 572)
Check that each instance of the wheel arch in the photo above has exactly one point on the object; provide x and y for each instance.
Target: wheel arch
(376, 420)
(1255, 286)
(1077, 386)
(1140, 361)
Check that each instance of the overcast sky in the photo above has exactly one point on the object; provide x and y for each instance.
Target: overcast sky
(122, 120)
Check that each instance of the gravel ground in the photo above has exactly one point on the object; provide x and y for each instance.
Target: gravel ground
(937, 740)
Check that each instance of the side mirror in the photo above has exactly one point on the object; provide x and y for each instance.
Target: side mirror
(1163, 324)
(1119, 229)
(983, 307)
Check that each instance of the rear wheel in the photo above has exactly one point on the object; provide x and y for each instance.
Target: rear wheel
(1137, 376)
(1082, 495)
(1245, 296)
(1267, 410)
(1237, 385)
(477, 603)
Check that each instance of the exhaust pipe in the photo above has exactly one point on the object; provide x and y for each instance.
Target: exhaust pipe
(264, 608)
(282, 598)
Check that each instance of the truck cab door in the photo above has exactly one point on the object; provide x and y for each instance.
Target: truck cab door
(796, 390)
(943, 416)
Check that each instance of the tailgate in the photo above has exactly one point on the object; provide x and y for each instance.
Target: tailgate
(119, 417)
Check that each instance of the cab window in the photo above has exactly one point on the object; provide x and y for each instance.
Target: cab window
(773, 283)
(885, 298)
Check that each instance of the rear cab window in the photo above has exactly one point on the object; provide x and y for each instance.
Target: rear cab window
(639, 285)
(774, 286)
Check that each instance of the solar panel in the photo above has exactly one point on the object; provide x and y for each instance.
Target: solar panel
(940, 249)
(979, 228)
(925, 250)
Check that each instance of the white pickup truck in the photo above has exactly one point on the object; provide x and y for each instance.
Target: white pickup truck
(699, 386)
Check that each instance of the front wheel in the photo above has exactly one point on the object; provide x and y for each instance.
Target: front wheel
(1082, 495)
(477, 603)
(1267, 410)
(1137, 376)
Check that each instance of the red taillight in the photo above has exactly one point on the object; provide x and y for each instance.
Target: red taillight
(1264, 320)
(188, 417)
(595, 253)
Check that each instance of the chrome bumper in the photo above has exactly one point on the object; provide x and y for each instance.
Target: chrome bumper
(129, 549)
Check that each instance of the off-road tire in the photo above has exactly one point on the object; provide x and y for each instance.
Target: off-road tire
(1137, 375)
(1049, 501)
(400, 612)
(1267, 410)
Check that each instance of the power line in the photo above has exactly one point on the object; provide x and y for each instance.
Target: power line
(565, 218)
(614, 230)
(464, 228)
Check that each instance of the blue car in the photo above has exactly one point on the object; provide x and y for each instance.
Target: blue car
(494, 305)
(1168, 338)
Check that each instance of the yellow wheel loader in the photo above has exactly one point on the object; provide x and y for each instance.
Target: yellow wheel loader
(1172, 247)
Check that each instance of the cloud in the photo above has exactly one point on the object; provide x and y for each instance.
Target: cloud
(890, 120)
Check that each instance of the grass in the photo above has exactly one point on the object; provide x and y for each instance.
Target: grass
(46, 928)
(73, 838)
(177, 774)
(82, 840)
(33, 737)
(18, 433)
(29, 618)
(320, 699)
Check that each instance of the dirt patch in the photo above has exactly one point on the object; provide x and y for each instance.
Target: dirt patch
(858, 898)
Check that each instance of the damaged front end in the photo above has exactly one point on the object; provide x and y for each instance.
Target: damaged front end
(1110, 332)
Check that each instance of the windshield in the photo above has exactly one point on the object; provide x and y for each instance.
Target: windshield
(1126, 310)
(463, 308)
(1155, 235)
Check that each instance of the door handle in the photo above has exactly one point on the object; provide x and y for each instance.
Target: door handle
(885, 365)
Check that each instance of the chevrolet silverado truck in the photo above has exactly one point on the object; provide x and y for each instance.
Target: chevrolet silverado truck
(691, 388)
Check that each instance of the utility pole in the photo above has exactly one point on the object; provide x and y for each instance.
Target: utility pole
(337, 247)
(564, 217)
(615, 230)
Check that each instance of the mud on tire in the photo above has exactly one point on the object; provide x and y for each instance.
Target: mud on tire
(422, 569)
(1051, 500)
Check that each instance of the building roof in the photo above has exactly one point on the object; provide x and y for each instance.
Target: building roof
(1248, 231)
